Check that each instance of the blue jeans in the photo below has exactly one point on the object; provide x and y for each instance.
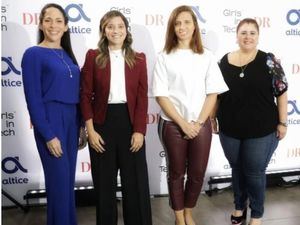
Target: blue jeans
(249, 159)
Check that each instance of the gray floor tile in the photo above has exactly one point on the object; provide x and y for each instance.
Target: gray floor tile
(282, 207)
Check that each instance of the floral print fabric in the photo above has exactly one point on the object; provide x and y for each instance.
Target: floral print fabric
(279, 81)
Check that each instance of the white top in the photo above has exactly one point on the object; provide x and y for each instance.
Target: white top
(117, 92)
(186, 78)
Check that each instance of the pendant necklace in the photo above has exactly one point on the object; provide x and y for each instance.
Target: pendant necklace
(116, 53)
(63, 60)
(242, 71)
(242, 74)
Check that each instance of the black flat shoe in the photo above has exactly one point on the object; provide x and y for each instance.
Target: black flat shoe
(239, 220)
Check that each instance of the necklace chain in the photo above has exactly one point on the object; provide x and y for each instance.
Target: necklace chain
(242, 74)
(63, 60)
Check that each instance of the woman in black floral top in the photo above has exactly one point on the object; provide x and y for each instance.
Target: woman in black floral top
(250, 122)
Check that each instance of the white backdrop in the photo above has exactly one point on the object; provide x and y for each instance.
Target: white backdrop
(280, 33)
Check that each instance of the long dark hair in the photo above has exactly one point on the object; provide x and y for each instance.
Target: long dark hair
(171, 38)
(65, 40)
(102, 58)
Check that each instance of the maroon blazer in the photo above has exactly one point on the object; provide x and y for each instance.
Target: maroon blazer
(95, 86)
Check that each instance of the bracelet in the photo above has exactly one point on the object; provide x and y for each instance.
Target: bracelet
(213, 119)
(283, 124)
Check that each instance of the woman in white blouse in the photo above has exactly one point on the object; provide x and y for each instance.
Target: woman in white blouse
(186, 83)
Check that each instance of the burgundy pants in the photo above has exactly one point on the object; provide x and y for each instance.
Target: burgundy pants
(188, 157)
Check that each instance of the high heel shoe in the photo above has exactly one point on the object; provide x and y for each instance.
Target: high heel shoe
(239, 220)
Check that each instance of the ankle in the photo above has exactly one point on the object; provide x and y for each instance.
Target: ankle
(188, 217)
(237, 213)
(179, 217)
(255, 221)
(187, 211)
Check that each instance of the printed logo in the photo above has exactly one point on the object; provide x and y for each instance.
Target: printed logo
(8, 124)
(12, 165)
(293, 17)
(10, 66)
(30, 18)
(232, 18)
(200, 18)
(163, 169)
(162, 154)
(294, 109)
(198, 14)
(85, 167)
(153, 118)
(125, 11)
(263, 22)
(293, 153)
(79, 9)
(295, 68)
(293, 113)
(4, 26)
(75, 13)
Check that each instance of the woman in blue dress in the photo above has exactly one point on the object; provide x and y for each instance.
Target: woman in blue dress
(51, 86)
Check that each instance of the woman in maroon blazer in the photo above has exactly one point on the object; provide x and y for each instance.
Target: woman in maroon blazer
(114, 106)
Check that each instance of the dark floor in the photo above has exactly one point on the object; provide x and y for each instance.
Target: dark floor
(282, 207)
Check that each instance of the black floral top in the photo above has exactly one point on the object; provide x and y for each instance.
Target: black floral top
(279, 81)
(248, 109)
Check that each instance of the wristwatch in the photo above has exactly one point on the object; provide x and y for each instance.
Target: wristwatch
(285, 124)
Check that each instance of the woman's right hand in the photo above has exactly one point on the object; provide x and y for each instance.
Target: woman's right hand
(190, 130)
(96, 141)
(54, 147)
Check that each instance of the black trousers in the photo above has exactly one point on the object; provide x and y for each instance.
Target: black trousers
(116, 133)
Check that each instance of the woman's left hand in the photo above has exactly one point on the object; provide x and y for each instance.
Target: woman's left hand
(137, 141)
(281, 131)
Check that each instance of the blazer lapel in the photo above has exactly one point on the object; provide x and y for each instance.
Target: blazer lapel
(128, 78)
(106, 79)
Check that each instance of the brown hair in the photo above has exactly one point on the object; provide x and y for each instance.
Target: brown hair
(247, 20)
(65, 39)
(103, 56)
(171, 38)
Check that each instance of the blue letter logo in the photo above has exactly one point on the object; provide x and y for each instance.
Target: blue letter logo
(293, 17)
(294, 109)
(10, 66)
(197, 12)
(80, 11)
(17, 165)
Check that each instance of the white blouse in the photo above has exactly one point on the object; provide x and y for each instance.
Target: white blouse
(117, 92)
(186, 78)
